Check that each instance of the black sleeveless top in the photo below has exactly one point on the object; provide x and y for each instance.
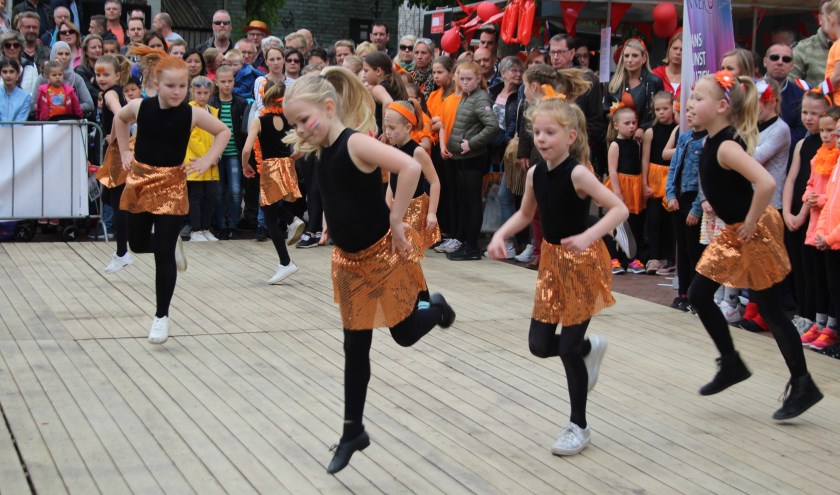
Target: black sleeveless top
(107, 119)
(661, 135)
(729, 192)
(629, 157)
(807, 152)
(271, 140)
(408, 148)
(562, 212)
(162, 135)
(353, 201)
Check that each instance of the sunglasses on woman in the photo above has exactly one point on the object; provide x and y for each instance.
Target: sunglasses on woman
(407, 48)
(66, 33)
(11, 46)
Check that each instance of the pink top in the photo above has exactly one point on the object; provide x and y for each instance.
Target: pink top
(828, 224)
(816, 184)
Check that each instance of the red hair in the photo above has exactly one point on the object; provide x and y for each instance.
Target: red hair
(157, 61)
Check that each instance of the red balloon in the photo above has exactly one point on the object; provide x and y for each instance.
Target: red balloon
(450, 42)
(664, 13)
(486, 10)
(665, 29)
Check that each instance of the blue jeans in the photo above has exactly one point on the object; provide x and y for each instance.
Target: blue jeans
(229, 193)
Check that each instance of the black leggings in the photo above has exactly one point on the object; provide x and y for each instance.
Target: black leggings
(659, 230)
(450, 177)
(357, 361)
(794, 243)
(469, 173)
(277, 219)
(120, 219)
(689, 248)
(571, 347)
(314, 206)
(202, 203)
(162, 244)
(701, 295)
(814, 283)
(443, 211)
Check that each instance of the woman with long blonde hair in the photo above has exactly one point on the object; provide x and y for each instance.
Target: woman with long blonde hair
(634, 84)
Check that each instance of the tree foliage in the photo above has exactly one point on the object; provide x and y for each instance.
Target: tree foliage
(267, 11)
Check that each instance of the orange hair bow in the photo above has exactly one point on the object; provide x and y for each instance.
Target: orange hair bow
(616, 107)
(550, 94)
(819, 91)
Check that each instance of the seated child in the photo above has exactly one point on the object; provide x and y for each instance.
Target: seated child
(56, 100)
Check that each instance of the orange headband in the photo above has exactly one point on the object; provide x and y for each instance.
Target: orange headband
(408, 114)
(818, 91)
(550, 94)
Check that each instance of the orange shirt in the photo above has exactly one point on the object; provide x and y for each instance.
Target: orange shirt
(435, 102)
(450, 109)
(831, 61)
(424, 130)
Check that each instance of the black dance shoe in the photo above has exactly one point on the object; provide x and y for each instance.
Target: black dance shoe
(731, 371)
(800, 394)
(448, 314)
(344, 451)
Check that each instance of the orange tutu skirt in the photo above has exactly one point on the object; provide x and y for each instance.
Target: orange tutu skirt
(112, 174)
(415, 217)
(631, 190)
(158, 190)
(571, 287)
(758, 264)
(375, 287)
(278, 181)
(657, 177)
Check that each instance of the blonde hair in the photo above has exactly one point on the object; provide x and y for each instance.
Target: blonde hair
(365, 48)
(356, 61)
(567, 115)
(209, 55)
(743, 108)
(233, 54)
(296, 36)
(571, 82)
(354, 105)
(745, 60)
(345, 43)
(203, 81)
(617, 81)
(612, 132)
(833, 7)
(674, 38)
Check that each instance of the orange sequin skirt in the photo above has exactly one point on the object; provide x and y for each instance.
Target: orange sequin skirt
(415, 217)
(158, 190)
(631, 191)
(375, 287)
(758, 264)
(657, 177)
(278, 181)
(571, 287)
(112, 174)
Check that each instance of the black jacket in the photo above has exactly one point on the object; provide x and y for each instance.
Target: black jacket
(644, 107)
(237, 113)
(511, 107)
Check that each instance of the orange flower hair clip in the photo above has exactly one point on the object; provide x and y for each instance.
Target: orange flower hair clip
(616, 107)
(550, 94)
(726, 80)
(819, 91)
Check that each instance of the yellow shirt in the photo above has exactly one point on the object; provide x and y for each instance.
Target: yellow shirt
(200, 143)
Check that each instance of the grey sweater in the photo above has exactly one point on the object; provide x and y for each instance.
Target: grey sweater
(772, 151)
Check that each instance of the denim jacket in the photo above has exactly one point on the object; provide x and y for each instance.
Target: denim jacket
(690, 149)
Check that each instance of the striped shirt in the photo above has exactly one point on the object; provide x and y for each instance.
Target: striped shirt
(227, 119)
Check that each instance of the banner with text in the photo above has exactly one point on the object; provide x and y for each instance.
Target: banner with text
(707, 29)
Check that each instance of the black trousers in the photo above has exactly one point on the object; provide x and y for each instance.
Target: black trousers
(162, 244)
(688, 244)
(469, 175)
(832, 268)
(794, 242)
(120, 218)
(815, 283)
(202, 203)
(277, 219)
(443, 211)
(659, 230)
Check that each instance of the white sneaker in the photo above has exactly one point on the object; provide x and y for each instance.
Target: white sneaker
(208, 236)
(732, 314)
(440, 247)
(511, 252)
(294, 231)
(117, 263)
(594, 358)
(282, 273)
(802, 324)
(160, 330)
(453, 246)
(197, 236)
(527, 254)
(572, 440)
(180, 257)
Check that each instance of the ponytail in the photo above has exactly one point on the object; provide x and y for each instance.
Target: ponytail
(743, 111)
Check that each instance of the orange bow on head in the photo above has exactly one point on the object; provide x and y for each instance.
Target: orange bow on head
(616, 107)
(819, 91)
(550, 94)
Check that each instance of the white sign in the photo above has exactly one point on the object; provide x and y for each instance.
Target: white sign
(605, 55)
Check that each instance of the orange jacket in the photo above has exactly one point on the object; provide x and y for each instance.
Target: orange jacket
(828, 225)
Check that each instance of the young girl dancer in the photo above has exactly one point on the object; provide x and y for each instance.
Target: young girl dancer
(375, 269)
(155, 192)
(574, 273)
(821, 334)
(658, 224)
(749, 251)
(795, 211)
(624, 162)
(278, 178)
(474, 129)
(401, 117)
(385, 86)
(827, 240)
(111, 174)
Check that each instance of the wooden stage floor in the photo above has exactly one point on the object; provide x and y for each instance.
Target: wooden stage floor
(247, 396)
